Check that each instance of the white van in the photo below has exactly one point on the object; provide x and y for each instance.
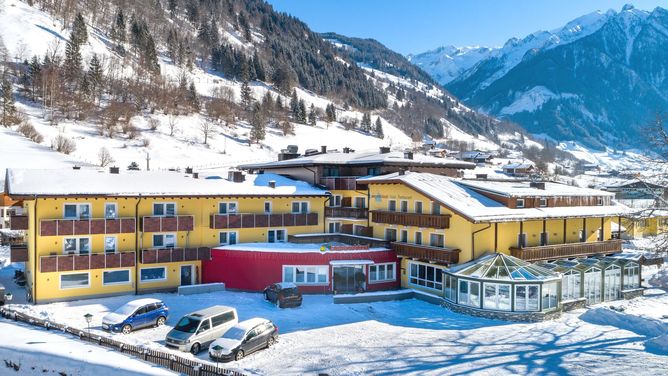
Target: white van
(197, 330)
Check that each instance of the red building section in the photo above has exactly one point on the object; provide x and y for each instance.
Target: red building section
(315, 268)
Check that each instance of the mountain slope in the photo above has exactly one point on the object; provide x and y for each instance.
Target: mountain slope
(446, 63)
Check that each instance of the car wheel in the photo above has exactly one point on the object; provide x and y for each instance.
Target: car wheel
(270, 342)
(194, 349)
(127, 329)
(160, 321)
(239, 355)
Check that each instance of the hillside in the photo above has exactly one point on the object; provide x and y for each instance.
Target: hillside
(446, 63)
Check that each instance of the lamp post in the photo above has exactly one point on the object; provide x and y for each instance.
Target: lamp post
(88, 318)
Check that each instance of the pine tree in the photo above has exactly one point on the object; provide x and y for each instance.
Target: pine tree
(294, 104)
(72, 65)
(79, 33)
(259, 68)
(258, 131)
(95, 75)
(366, 122)
(246, 94)
(379, 128)
(312, 118)
(302, 112)
(330, 113)
(7, 108)
(192, 96)
(268, 103)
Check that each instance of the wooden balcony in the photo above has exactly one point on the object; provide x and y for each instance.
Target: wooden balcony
(164, 255)
(164, 224)
(66, 263)
(426, 252)
(411, 219)
(18, 253)
(557, 251)
(339, 183)
(346, 212)
(252, 220)
(18, 222)
(92, 226)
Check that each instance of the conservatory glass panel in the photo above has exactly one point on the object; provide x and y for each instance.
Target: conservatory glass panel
(592, 285)
(497, 296)
(469, 293)
(631, 276)
(549, 296)
(570, 286)
(612, 282)
(526, 298)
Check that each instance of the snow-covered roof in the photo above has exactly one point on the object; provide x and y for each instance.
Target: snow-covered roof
(524, 189)
(359, 158)
(497, 266)
(464, 200)
(69, 182)
(293, 248)
(518, 165)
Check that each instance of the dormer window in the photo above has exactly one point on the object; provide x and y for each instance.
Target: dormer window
(543, 202)
(599, 201)
(519, 203)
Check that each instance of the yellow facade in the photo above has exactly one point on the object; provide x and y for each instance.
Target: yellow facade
(644, 227)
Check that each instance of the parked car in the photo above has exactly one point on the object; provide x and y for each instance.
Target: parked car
(197, 330)
(136, 314)
(243, 339)
(283, 294)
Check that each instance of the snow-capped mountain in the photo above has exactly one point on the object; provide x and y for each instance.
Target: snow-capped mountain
(599, 79)
(446, 63)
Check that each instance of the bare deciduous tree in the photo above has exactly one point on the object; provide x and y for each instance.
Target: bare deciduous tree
(104, 157)
(207, 128)
(171, 121)
(63, 144)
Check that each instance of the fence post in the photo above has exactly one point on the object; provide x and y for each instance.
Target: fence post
(171, 362)
(196, 369)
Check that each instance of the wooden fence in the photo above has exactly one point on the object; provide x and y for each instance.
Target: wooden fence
(168, 360)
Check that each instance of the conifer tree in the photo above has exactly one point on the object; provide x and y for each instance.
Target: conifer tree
(72, 65)
(312, 118)
(95, 76)
(7, 108)
(79, 33)
(379, 128)
(192, 96)
(294, 104)
(258, 131)
(246, 94)
(366, 122)
(302, 112)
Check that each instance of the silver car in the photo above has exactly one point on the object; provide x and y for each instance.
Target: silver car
(197, 330)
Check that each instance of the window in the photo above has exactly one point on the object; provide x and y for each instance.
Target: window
(335, 201)
(418, 207)
(222, 319)
(76, 211)
(544, 238)
(404, 236)
(164, 241)
(277, 236)
(497, 296)
(227, 237)
(116, 277)
(469, 293)
(549, 297)
(164, 209)
(582, 236)
(570, 285)
(612, 280)
(392, 205)
(334, 227)
(306, 275)
(592, 285)
(360, 230)
(300, 207)
(110, 211)
(599, 201)
(381, 272)
(543, 202)
(426, 276)
(76, 245)
(330, 171)
(360, 202)
(227, 208)
(373, 171)
(519, 203)
(450, 287)
(521, 240)
(418, 237)
(526, 298)
(404, 206)
(437, 240)
(74, 281)
(267, 207)
(631, 276)
(152, 274)
(109, 244)
(204, 326)
(435, 208)
(391, 234)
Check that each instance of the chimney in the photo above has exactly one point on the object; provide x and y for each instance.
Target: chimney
(402, 172)
(272, 183)
(408, 154)
(195, 175)
(537, 185)
(189, 170)
(346, 150)
(235, 176)
(114, 170)
(76, 167)
(323, 149)
(384, 150)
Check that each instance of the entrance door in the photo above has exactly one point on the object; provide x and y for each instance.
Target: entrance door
(186, 275)
(349, 278)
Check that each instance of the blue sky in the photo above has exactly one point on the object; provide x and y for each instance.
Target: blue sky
(412, 26)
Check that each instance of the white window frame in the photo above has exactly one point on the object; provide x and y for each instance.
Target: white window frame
(415, 207)
(317, 269)
(236, 237)
(115, 205)
(635, 273)
(268, 204)
(301, 205)
(275, 231)
(543, 202)
(354, 203)
(570, 285)
(434, 282)
(549, 286)
(115, 243)
(403, 236)
(128, 282)
(401, 206)
(436, 234)
(450, 287)
(335, 201)
(526, 305)
(337, 226)
(78, 245)
(435, 208)
(164, 235)
(599, 201)
(519, 204)
(356, 229)
(78, 206)
(497, 297)
(228, 206)
(468, 302)
(60, 281)
(164, 209)
(389, 207)
(395, 234)
(164, 278)
(383, 266)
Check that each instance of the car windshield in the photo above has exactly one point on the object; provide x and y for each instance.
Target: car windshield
(290, 291)
(187, 325)
(126, 310)
(235, 333)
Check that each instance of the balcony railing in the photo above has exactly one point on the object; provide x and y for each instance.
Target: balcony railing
(163, 255)
(163, 224)
(66, 263)
(426, 252)
(18, 253)
(252, 220)
(411, 219)
(345, 212)
(18, 222)
(557, 251)
(343, 183)
(59, 227)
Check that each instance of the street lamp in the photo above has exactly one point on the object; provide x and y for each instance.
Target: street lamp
(88, 318)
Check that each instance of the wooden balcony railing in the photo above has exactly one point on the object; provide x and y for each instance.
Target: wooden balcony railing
(344, 212)
(65, 263)
(426, 252)
(252, 220)
(18, 222)
(162, 224)
(18, 253)
(154, 256)
(557, 251)
(59, 227)
(343, 183)
(411, 219)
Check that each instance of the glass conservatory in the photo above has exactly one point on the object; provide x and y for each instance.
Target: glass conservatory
(499, 282)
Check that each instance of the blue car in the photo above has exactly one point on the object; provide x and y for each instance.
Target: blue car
(136, 314)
